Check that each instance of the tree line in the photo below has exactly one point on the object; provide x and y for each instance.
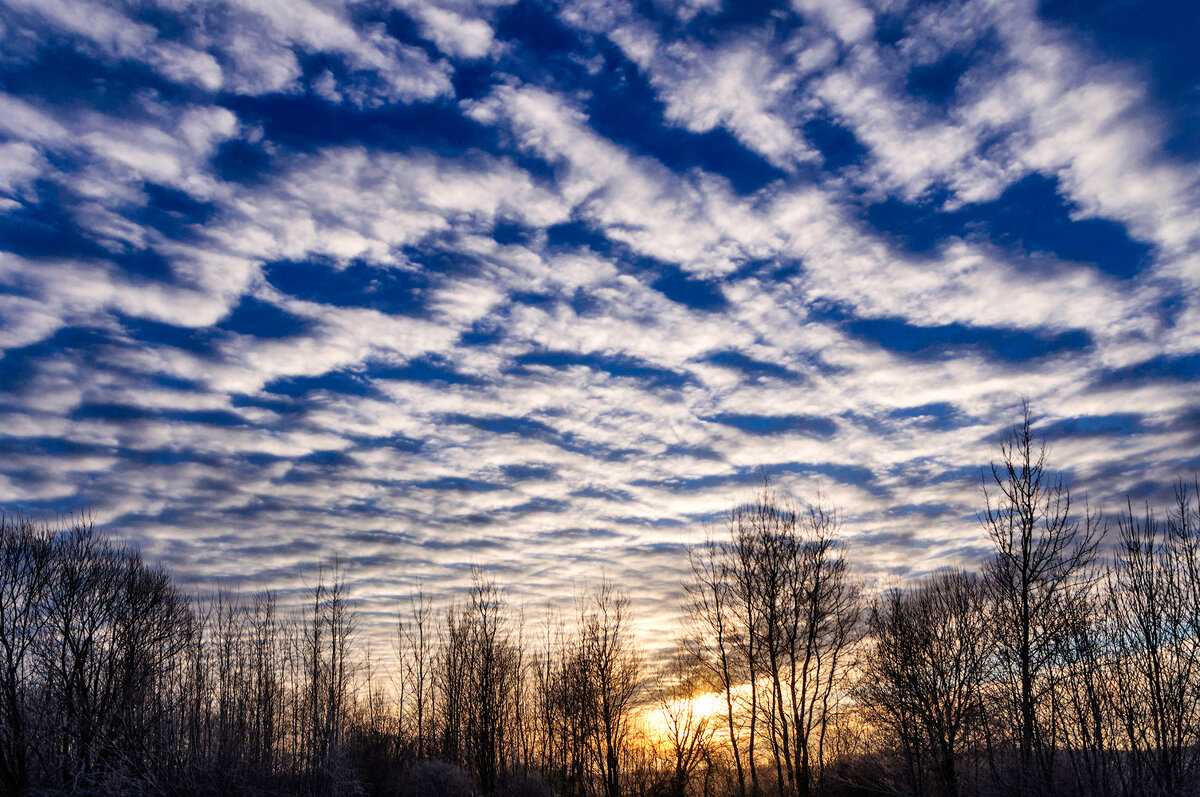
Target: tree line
(1067, 663)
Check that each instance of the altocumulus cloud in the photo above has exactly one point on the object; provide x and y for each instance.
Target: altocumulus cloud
(542, 285)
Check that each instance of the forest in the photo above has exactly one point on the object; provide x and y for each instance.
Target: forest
(1067, 663)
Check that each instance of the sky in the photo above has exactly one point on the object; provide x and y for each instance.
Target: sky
(543, 286)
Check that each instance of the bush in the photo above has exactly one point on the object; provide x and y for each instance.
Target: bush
(432, 778)
(526, 786)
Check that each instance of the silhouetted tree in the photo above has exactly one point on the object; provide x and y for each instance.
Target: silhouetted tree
(415, 652)
(1155, 594)
(610, 666)
(26, 570)
(1042, 566)
(924, 671)
(686, 729)
(776, 616)
(492, 662)
(1041, 672)
(713, 630)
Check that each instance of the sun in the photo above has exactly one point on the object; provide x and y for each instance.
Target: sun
(662, 722)
(706, 704)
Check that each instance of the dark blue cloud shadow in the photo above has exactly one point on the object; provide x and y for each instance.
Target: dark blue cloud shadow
(939, 416)
(261, 319)
(128, 413)
(838, 145)
(240, 161)
(47, 227)
(351, 383)
(19, 366)
(1029, 218)
(935, 342)
(70, 73)
(937, 82)
(572, 534)
(712, 24)
(429, 368)
(752, 369)
(197, 340)
(388, 290)
(172, 212)
(805, 425)
(307, 123)
(578, 234)
(1163, 368)
(841, 473)
(528, 472)
(697, 294)
(925, 512)
(625, 108)
(614, 495)
(1088, 426)
(705, 295)
(534, 429)
(459, 484)
(616, 365)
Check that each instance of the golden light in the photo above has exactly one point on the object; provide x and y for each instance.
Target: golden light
(707, 704)
(661, 723)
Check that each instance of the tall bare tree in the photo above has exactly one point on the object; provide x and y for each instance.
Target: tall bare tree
(612, 669)
(414, 648)
(713, 631)
(492, 661)
(25, 572)
(687, 728)
(776, 615)
(1154, 590)
(1042, 565)
(924, 673)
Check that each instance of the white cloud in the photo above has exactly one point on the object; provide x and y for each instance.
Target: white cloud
(453, 33)
(620, 404)
(251, 46)
(20, 165)
(847, 18)
(117, 35)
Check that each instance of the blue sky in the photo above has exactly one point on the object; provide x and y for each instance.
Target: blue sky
(540, 286)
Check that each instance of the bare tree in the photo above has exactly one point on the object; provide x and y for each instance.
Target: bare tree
(744, 572)
(1154, 590)
(714, 631)
(1085, 691)
(1041, 566)
(25, 573)
(451, 679)
(611, 668)
(776, 616)
(686, 728)
(923, 674)
(326, 631)
(415, 651)
(822, 635)
(492, 661)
